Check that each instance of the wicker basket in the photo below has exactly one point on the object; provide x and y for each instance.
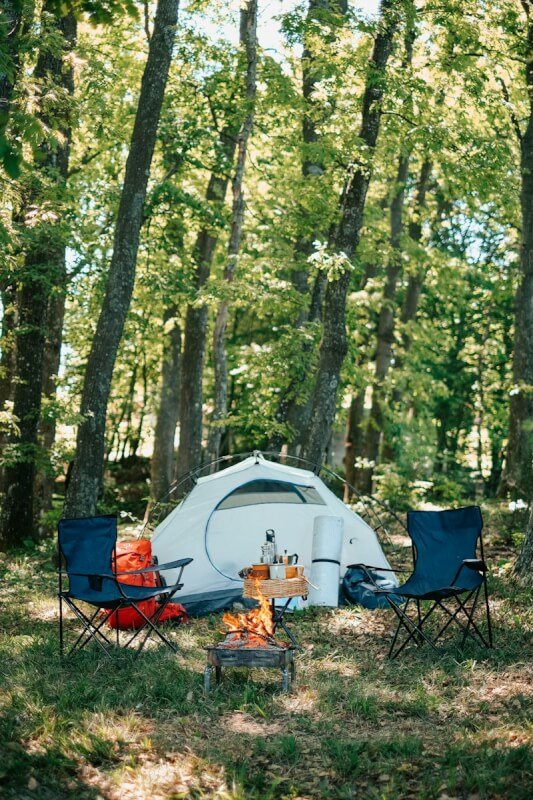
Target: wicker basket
(288, 587)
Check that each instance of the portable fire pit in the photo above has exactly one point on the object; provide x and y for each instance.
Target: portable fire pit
(238, 653)
(250, 643)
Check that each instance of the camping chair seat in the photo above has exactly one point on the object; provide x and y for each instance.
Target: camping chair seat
(446, 566)
(87, 547)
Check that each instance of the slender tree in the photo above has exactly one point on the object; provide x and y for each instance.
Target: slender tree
(333, 346)
(518, 475)
(162, 464)
(291, 410)
(86, 474)
(248, 38)
(524, 562)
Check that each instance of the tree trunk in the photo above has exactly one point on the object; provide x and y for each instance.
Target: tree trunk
(11, 23)
(44, 483)
(353, 435)
(191, 399)
(333, 347)
(84, 486)
(354, 440)
(518, 474)
(248, 38)
(291, 412)
(386, 330)
(43, 266)
(162, 466)
(7, 344)
(524, 563)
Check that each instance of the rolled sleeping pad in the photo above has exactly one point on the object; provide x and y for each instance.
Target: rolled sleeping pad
(328, 534)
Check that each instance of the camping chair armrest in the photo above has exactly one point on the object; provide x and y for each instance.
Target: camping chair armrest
(378, 569)
(366, 567)
(475, 564)
(182, 562)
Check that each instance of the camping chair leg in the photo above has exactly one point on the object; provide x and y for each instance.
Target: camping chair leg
(152, 623)
(397, 631)
(489, 624)
(89, 628)
(453, 616)
(410, 627)
(61, 641)
(151, 629)
(92, 630)
(470, 616)
(466, 629)
(419, 613)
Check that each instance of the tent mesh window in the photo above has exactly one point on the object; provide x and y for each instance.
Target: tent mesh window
(265, 491)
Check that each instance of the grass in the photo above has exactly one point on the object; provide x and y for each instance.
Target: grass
(355, 726)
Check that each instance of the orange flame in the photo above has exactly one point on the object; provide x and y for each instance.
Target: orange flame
(255, 626)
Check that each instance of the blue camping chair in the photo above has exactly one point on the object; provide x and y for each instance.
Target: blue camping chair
(447, 570)
(87, 551)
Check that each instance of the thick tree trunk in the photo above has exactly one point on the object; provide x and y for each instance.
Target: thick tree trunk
(333, 347)
(44, 264)
(162, 467)
(524, 562)
(84, 486)
(248, 38)
(518, 475)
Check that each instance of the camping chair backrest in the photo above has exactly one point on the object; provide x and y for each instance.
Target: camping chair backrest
(442, 540)
(87, 546)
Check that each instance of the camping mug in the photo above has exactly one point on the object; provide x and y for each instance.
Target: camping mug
(277, 572)
(258, 571)
(291, 571)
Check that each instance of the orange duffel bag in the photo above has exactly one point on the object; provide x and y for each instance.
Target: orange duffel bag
(132, 556)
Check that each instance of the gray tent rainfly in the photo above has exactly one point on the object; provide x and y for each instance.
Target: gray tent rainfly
(221, 524)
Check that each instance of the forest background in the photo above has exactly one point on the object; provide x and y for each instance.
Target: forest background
(265, 225)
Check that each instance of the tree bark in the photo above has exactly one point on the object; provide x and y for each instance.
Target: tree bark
(524, 562)
(333, 347)
(84, 486)
(191, 396)
(44, 482)
(43, 266)
(248, 38)
(386, 330)
(162, 466)
(518, 473)
(292, 412)
(7, 344)
(11, 24)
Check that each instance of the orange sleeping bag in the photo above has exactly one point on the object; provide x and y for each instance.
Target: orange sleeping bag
(132, 556)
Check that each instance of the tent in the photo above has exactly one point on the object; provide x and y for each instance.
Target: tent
(221, 524)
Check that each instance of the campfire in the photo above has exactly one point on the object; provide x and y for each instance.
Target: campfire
(254, 628)
(250, 643)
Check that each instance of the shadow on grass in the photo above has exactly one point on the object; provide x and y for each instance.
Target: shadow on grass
(377, 732)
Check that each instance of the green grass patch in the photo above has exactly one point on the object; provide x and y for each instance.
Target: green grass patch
(356, 725)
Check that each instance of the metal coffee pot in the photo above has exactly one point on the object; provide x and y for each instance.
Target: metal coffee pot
(289, 559)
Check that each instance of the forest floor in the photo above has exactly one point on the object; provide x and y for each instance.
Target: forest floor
(355, 726)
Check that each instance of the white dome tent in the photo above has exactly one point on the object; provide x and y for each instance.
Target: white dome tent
(221, 524)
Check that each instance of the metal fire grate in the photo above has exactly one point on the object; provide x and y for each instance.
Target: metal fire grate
(272, 656)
